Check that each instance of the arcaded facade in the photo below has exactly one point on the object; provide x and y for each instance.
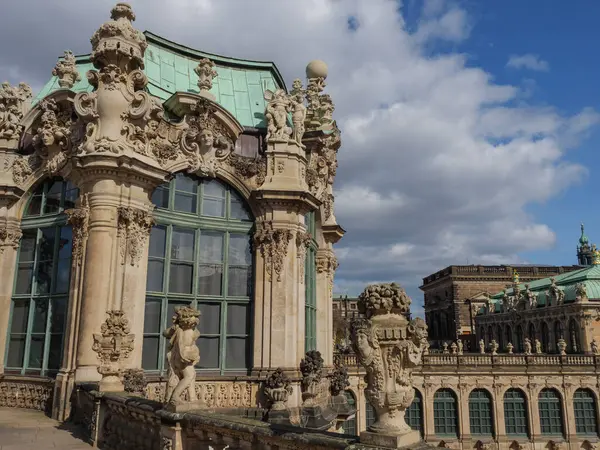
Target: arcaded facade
(146, 176)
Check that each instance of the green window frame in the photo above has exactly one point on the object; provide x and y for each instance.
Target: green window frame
(200, 255)
(551, 418)
(370, 414)
(414, 413)
(515, 413)
(586, 415)
(480, 413)
(350, 424)
(41, 284)
(445, 413)
(310, 283)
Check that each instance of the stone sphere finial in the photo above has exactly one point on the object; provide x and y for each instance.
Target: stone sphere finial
(122, 9)
(316, 69)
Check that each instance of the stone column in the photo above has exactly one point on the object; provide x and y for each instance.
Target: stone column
(499, 420)
(464, 426)
(534, 412)
(326, 266)
(428, 418)
(568, 410)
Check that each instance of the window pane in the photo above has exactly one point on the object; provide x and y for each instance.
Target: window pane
(210, 319)
(210, 277)
(71, 197)
(152, 317)
(209, 353)
(185, 202)
(24, 275)
(46, 245)
(238, 319)
(213, 188)
(62, 276)
(154, 280)
(35, 206)
(160, 197)
(150, 352)
(158, 237)
(58, 319)
(211, 246)
(55, 352)
(180, 280)
(53, 197)
(238, 353)
(238, 210)
(27, 248)
(239, 250)
(20, 315)
(36, 351)
(239, 281)
(16, 351)
(185, 183)
(213, 207)
(40, 314)
(44, 276)
(65, 242)
(182, 245)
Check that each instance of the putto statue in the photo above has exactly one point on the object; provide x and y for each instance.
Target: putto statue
(298, 110)
(555, 295)
(182, 356)
(527, 346)
(388, 345)
(278, 107)
(13, 102)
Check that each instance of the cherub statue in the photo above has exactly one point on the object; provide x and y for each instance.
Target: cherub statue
(298, 110)
(538, 346)
(482, 346)
(278, 107)
(459, 343)
(183, 355)
(595, 348)
(527, 346)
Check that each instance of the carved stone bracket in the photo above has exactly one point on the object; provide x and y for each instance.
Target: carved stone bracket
(9, 238)
(78, 219)
(327, 263)
(303, 240)
(134, 227)
(273, 244)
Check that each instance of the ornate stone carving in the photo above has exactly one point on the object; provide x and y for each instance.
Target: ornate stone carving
(78, 219)
(527, 346)
(182, 356)
(339, 380)
(459, 346)
(303, 240)
(316, 84)
(134, 227)
(322, 168)
(311, 367)
(555, 295)
(509, 348)
(531, 299)
(135, 382)
(276, 114)
(29, 395)
(482, 346)
(250, 167)
(113, 345)
(273, 245)
(206, 73)
(298, 110)
(277, 389)
(494, 347)
(561, 345)
(327, 263)
(388, 345)
(9, 238)
(205, 142)
(13, 103)
(595, 347)
(581, 292)
(538, 346)
(66, 71)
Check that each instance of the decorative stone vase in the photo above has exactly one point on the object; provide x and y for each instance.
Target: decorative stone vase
(278, 389)
(388, 345)
(562, 347)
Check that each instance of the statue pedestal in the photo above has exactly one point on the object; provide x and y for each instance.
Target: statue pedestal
(184, 407)
(390, 440)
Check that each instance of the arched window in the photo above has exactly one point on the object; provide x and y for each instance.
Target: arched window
(490, 335)
(445, 414)
(370, 414)
(574, 336)
(545, 336)
(508, 335)
(519, 343)
(480, 413)
(500, 335)
(550, 407)
(310, 286)
(350, 424)
(558, 331)
(200, 256)
(414, 413)
(586, 416)
(531, 332)
(515, 413)
(41, 287)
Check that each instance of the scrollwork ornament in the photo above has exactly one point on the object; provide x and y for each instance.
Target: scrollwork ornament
(273, 244)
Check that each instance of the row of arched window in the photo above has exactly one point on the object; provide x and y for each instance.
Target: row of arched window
(481, 413)
(547, 334)
(199, 255)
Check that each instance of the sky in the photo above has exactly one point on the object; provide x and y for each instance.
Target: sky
(469, 128)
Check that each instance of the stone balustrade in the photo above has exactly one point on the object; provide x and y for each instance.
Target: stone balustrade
(26, 392)
(117, 421)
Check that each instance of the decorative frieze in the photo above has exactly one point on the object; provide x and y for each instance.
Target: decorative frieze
(273, 245)
(133, 230)
(13, 103)
(9, 237)
(21, 394)
(66, 71)
(213, 395)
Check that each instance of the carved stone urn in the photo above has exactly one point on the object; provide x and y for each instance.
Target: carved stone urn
(277, 389)
(388, 345)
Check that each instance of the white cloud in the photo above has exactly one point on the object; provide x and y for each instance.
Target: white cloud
(437, 163)
(528, 61)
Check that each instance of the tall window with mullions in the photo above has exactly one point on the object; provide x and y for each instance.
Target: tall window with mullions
(200, 255)
(310, 284)
(41, 286)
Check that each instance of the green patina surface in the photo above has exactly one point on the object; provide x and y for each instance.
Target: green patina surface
(589, 276)
(239, 86)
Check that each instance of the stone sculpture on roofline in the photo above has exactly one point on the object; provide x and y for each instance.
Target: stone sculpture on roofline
(388, 346)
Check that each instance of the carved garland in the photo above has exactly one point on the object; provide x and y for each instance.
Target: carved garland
(273, 245)
(303, 240)
(133, 230)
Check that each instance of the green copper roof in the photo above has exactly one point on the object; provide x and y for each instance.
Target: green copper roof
(239, 86)
(590, 276)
